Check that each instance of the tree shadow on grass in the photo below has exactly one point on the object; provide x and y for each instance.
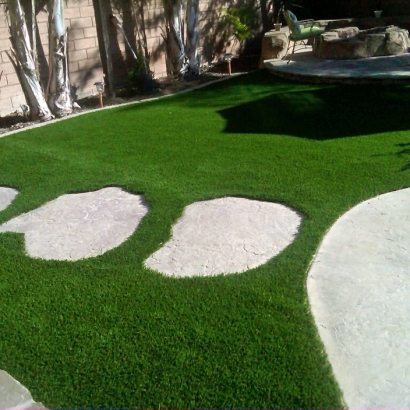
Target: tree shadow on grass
(324, 113)
(260, 103)
(404, 152)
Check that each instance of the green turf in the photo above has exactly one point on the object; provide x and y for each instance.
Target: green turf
(106, 332)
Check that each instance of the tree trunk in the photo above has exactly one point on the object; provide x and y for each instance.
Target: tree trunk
(267, 21)
(129, 26)
(142, 33)
(174, 38)
(23, 62)
(192, 36)
(120, 28)
(33, 36)
(58, 89)
(101, 20)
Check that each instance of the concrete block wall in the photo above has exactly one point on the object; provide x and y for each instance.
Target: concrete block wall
(11, 95)
(83, 49)
(213, 37)
(154, 20)
(83, 54)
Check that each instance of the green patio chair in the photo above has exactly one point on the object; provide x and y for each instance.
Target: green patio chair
(301, 33)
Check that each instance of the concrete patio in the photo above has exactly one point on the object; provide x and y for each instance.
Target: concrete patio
(304, 66)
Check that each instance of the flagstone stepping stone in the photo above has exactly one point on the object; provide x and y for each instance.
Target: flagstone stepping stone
(76, 226)
(14, 395)
(359, 293)
(7, 196)
(225, 235)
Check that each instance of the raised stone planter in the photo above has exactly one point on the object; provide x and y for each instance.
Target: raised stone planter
(351, 43)
(274, 46)
(370, 22)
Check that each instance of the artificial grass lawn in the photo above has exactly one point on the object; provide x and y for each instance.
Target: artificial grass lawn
(105, 331)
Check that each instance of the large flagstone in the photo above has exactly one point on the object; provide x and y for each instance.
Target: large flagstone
(14, 395)
(225, 235)
(7, 196)
(76, 226)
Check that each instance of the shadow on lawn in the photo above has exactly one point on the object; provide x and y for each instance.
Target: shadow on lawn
(324, 113)
(404, 152)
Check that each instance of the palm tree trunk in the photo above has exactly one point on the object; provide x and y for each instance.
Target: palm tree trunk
(23, 62)
(102, 11)
(174, 38)
(58, 89)
(192, 36)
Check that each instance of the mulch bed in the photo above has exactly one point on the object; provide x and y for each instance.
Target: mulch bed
(163, 86)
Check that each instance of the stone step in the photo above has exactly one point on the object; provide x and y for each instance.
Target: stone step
(14, 395)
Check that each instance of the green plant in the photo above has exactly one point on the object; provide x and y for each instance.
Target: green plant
(242, 20)
(140, 68)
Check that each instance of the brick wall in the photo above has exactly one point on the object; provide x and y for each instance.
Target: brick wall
(83, 48)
